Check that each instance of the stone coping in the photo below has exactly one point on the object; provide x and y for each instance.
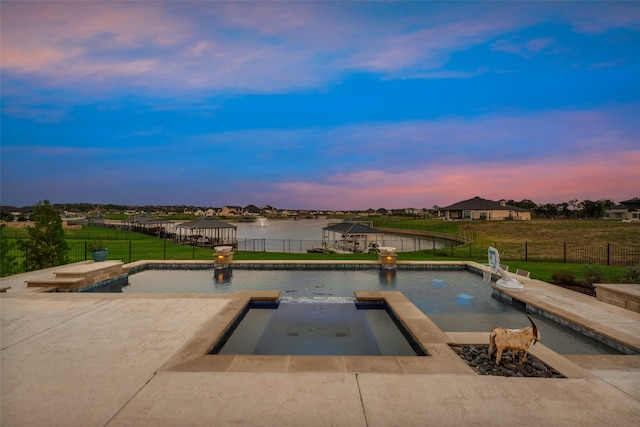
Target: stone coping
(78, 270)
(615, 326)
(194, 357)
(239, 263)
(620, 288)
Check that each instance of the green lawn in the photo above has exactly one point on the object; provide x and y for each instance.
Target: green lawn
(539, 270)
(508, 235)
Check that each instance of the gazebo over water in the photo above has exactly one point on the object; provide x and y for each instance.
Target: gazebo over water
(207, 232)
(351, 236)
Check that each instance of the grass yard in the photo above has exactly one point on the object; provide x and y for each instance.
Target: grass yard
(547, 231)
(539, 270)
(537, 231)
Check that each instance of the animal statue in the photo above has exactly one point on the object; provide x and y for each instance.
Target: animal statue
(502, 339)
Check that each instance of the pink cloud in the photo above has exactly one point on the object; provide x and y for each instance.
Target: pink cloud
(147, 45)
(43, 37)
(609, 175)
(265, 47)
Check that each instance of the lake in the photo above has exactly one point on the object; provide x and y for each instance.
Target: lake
(299, 236)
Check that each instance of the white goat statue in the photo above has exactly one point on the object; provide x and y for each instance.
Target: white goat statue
(502, 339)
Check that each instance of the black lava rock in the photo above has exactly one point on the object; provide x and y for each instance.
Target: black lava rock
(477, 356)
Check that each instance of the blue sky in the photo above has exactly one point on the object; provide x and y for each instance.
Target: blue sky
(319, 105)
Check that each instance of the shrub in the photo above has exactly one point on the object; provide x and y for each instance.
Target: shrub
(593, 274)
(563, 278)
(631, 275)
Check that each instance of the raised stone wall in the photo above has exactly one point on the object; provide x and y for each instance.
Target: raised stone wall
(621, 295)
(81, 275)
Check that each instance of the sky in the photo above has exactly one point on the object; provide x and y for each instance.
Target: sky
(318, 105)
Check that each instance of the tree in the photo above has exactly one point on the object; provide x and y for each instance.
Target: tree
(526, 204)
(564, 209)
(574, 206)
(548, 210)
(591, 209)
(46, 246)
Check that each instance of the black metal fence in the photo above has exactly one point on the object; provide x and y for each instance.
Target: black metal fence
(292, 246)
(564, 252)
(14, 257)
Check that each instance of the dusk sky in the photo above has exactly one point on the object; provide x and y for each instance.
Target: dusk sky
(319, 105)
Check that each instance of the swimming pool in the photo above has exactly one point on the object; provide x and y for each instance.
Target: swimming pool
(455, 300)
(319, 329)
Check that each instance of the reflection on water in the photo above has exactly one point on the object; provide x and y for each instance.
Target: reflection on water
(387, 277)
(222, 276)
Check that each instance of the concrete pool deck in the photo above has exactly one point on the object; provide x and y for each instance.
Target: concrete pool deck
(95, 359)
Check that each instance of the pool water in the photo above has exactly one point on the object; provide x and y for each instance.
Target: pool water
(457, 301)
(320, 329)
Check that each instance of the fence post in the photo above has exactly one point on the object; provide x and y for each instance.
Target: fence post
(85, 250)
(608, 253)
(526, 251)
(470, 244)
(164, 250)
(564, 254)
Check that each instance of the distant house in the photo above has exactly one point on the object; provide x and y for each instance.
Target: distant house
(629, 210)
(269, 210)
(231, 211)
(414, 211)
(483, 209)
(252, 210)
